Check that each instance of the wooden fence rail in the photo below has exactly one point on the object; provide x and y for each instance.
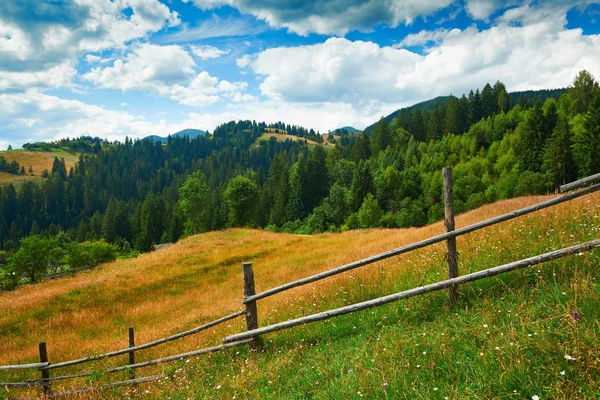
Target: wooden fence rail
(250, 297)
(580, 183)
(417, 291)
(176, 357)
(424, 243)
(22, 366)
(144, 346)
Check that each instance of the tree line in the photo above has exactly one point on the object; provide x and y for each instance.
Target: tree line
(138, 193)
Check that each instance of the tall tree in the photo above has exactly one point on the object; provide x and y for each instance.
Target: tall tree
(582, 91)
(193, 199)
(381, 137)
(242, 198)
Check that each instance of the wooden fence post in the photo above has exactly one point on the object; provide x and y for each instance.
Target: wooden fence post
(131, 353)
(251, 311)
(45, 372)
(451, 255)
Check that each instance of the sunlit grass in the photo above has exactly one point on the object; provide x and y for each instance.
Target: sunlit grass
(376, 353)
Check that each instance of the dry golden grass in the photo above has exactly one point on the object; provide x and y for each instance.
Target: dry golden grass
(282, 137)
(199, 279)
(39, 160)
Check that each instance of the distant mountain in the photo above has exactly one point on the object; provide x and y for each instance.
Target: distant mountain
(191, 133)
(543, 95)
(348, 129)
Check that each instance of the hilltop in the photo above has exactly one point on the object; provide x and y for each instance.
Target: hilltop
(506, 334)
(37, 160)
(190, 133)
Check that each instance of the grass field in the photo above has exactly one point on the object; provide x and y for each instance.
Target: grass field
(508, 337)
(38, 160)
(282, 137)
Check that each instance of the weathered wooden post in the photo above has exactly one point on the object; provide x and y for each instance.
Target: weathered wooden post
(251, 311)
(45, 372)
(131, 353)
(451, 255)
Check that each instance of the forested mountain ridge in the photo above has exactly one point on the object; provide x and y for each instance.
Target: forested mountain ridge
(139, 193)
(520, 97)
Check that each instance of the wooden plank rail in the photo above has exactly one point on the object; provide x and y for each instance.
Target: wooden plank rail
(417, 291)
(146, 345)
(424, 243)
(580, 183)
(23, 366)
(176, 357)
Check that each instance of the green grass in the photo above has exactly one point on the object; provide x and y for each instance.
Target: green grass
(508, 337)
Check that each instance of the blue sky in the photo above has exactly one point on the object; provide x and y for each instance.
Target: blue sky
(140, 67)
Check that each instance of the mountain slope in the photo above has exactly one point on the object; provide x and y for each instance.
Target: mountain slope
(191, 133)
(436, 347)
(442, 100)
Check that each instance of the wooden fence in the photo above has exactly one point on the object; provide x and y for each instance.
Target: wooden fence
(249, 337)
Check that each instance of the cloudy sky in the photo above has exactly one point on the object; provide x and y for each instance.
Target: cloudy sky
(116, 68)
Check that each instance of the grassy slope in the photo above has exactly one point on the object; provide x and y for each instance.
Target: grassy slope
(282, 137)
(506, 338)
(39, 160)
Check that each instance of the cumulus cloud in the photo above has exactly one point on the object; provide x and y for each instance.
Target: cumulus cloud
(536, 54)
(482, 9)
(331, 17)
(147, 66)
(337, 70)
(55, 77)
(56, 118)
(206, 52)
(425, 37)
(36, 35)
(167, 71)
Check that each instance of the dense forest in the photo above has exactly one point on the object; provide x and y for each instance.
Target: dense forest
(126, 197)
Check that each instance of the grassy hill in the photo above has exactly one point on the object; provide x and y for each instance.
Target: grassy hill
(38, 160)
(506, 338)
(282, 137)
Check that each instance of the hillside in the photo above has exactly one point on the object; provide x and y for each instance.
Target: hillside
(506, 334)
(429, 105)
(282, 137)
(38, 160)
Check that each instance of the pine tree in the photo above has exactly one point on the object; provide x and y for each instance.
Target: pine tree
(381, 137)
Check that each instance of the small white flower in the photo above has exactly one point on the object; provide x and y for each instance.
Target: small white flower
(497, 348)
(424, 352)
(562, 372)
(218, 387)
(535, 397)
(435, 389)
(485, 325)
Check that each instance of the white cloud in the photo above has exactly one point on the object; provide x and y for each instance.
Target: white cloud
(424, 37)
(215, 27)
(37, 36)
(244, 61)
(146, 67)
(207, 52)
(540, 54)
(482, 9)
(338, 70)
(167, 71)
(331, 17)
(57, 118)
(92, 59)
(55, 77)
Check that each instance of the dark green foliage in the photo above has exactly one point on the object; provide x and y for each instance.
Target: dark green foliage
(241, 196)
(140, 193)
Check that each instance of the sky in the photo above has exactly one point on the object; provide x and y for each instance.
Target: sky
(133, 68)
